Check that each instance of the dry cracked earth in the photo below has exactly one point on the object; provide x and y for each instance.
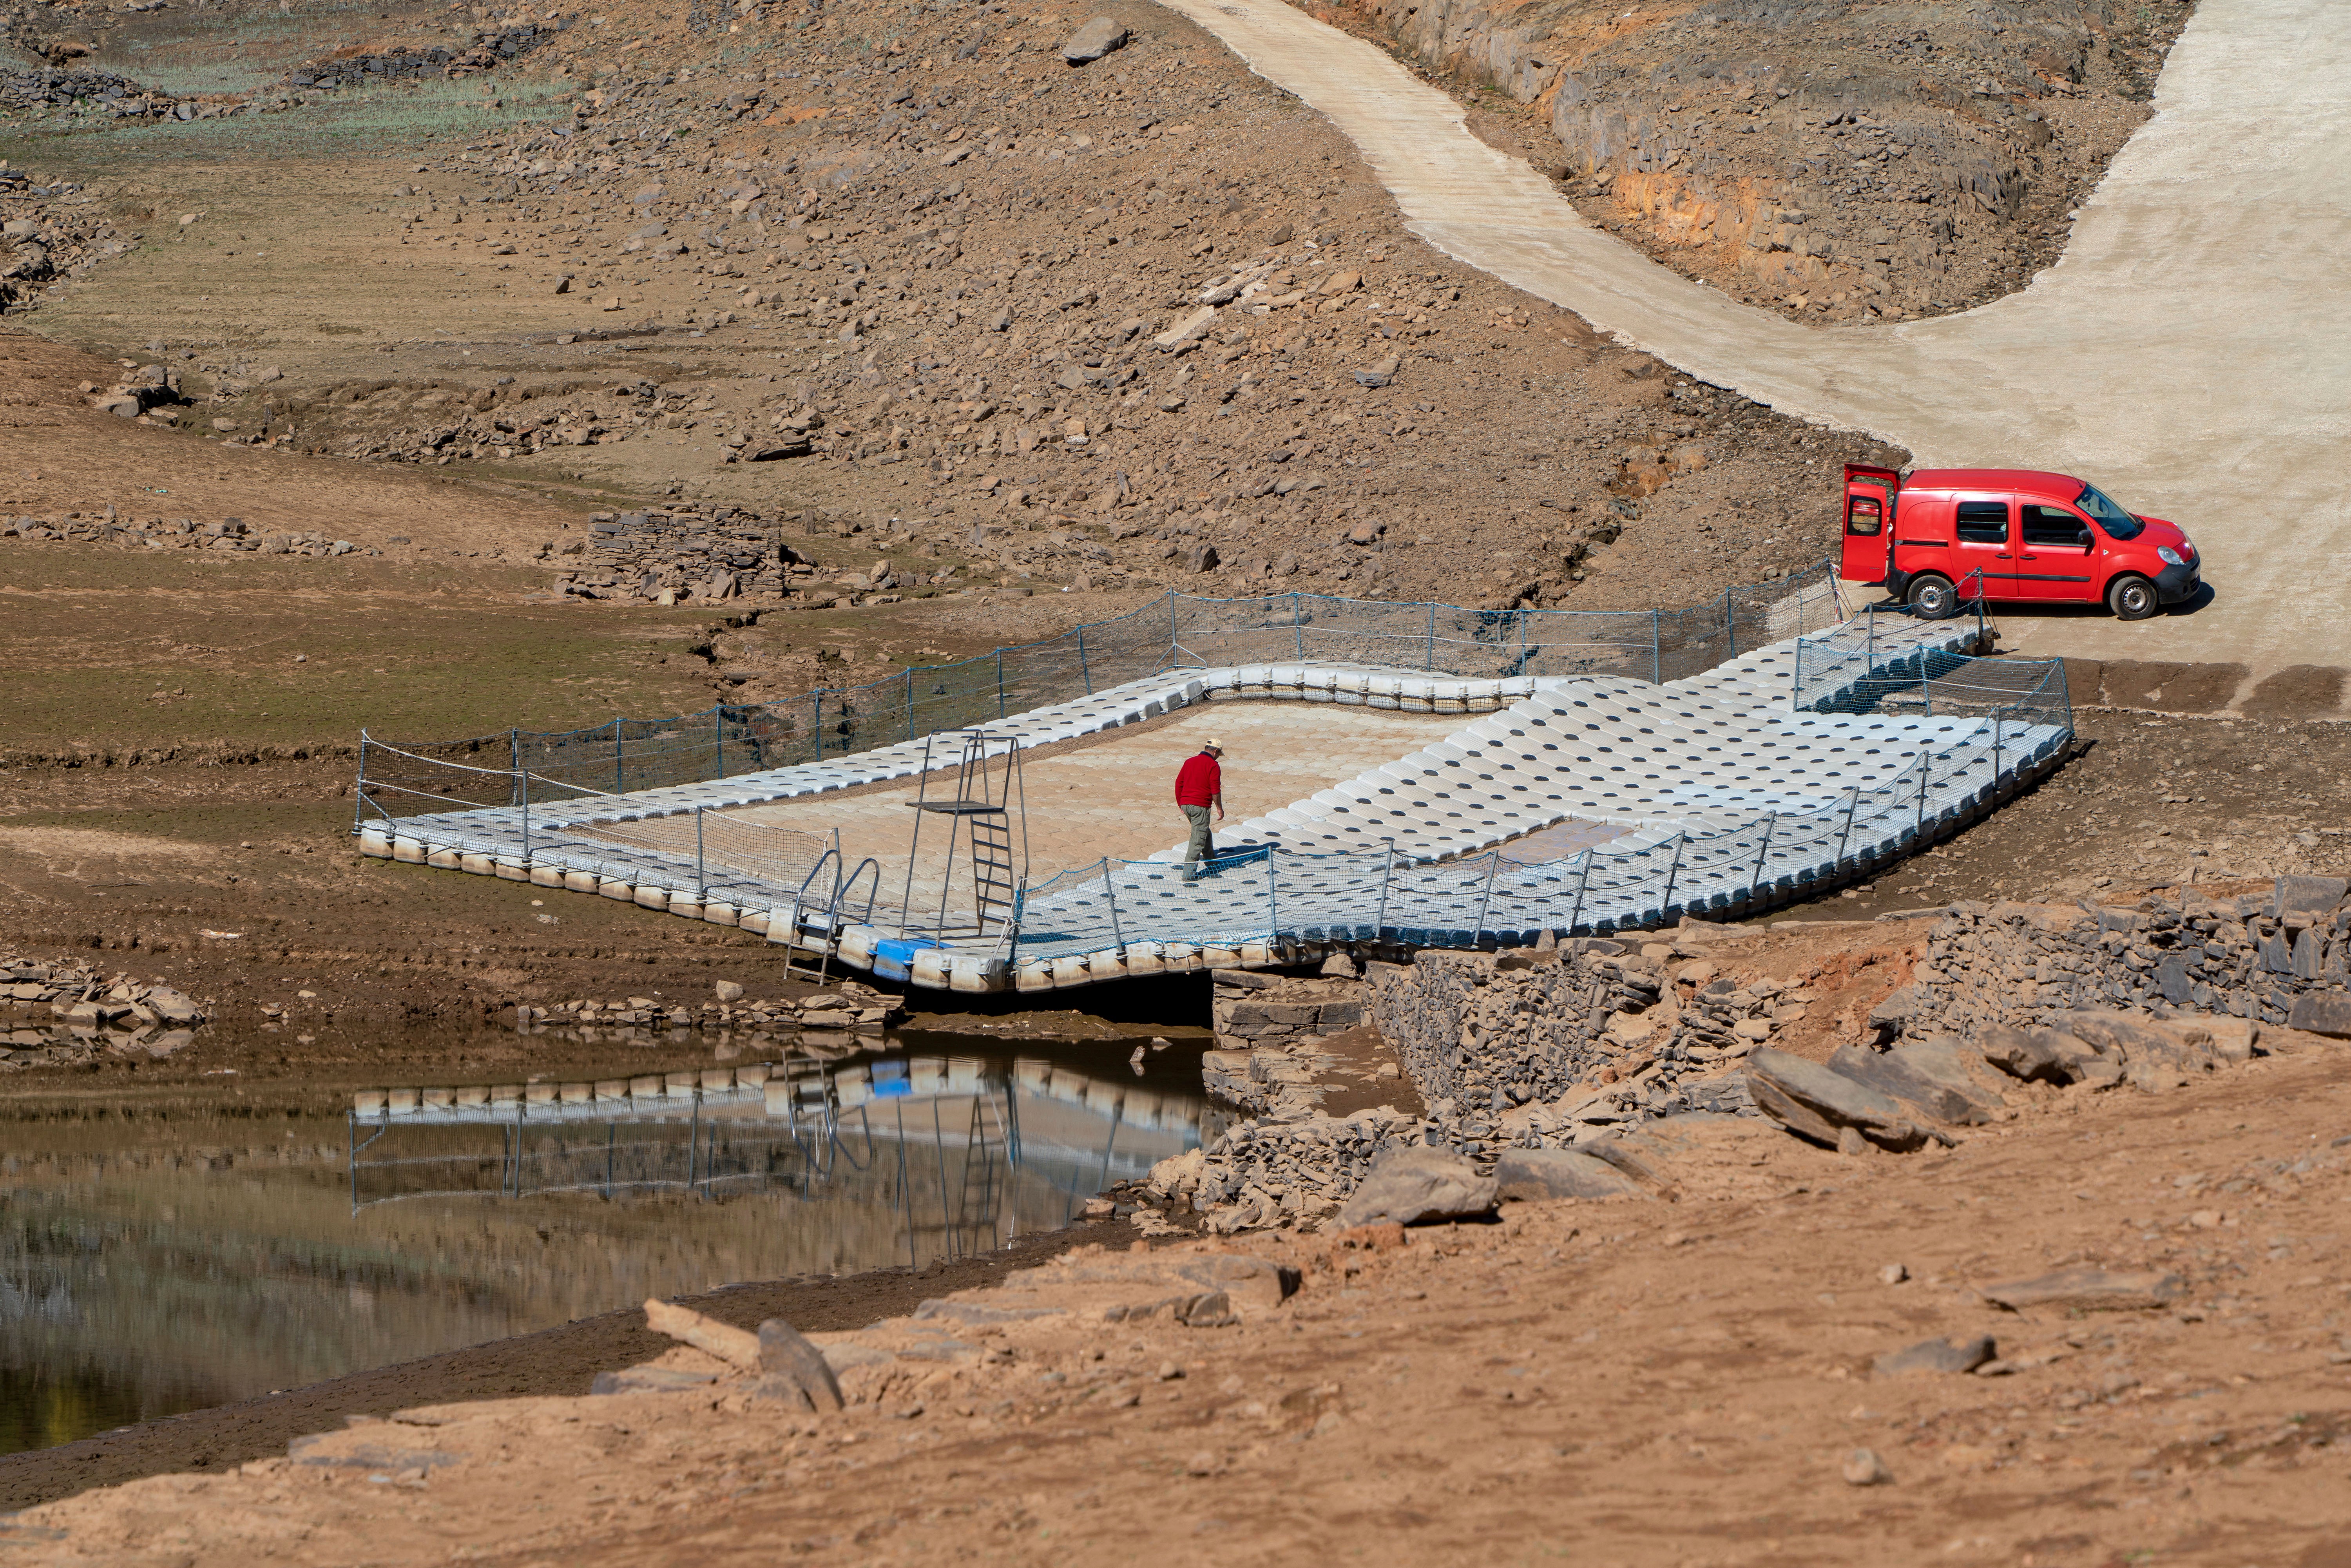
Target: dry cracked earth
(412, 294)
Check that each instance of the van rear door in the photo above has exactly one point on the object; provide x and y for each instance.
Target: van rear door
(1869, 500)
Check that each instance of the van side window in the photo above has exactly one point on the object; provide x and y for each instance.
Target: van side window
(1983, 522)
(1864, 515)
(2055, 526)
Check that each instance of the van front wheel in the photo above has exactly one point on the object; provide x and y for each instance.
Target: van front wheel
(1934, 599)
(2132, 599)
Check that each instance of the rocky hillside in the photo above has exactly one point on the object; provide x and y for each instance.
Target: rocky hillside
(1841, 159)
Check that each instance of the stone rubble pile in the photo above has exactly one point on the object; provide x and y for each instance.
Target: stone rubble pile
(456, 423)
(852, 1007)
(366, 66)
(229, 535)
(704, 552)
(93, 1012)
(1264, 1173)
(48, 236)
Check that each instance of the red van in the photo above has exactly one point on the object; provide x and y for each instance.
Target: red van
(1931, 535)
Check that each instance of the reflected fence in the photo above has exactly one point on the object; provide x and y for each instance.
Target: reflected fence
(1177, 630)
(957, 1154)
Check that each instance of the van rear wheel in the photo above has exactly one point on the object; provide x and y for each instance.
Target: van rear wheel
(1934, 599)
(2132, 599)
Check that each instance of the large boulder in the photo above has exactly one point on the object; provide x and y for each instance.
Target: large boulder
(2084, 1287)
(1949, 1062)
(1818, 1102)
(1894, 1073)
(1936, 1355)
(1561, 1173)
(1093, 41)
(2132, 1039)
(2039, 1053)
(2322, 1012)
(1406, 1187)
(2309, 894)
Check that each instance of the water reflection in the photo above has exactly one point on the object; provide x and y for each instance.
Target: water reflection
(190, 1249)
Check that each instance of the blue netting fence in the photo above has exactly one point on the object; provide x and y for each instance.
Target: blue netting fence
(1268, 894)
(1176, 631)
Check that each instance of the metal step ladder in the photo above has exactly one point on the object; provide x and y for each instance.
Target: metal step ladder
(982, 792)
(994, 878)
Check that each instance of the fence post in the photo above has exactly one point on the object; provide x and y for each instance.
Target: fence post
(358, 791)
(1386, 876)
(620, 786)
(999, 683)
(816, 722)
(1110, 889)
(1297, 626)
(910, 702)
(1272, 909)
(1656, 651)
(1869, 642)
(1085, 675)
(1851, 806)
(1576, 914)
(1754, 877)
(514, 750)
(701, 877)
(718, 739)
(1922, 792)
(1432, 638)
(522, 788)
(1486, 902)
(1730, 623)
(1673, 873)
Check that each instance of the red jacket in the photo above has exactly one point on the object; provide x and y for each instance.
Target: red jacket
(1200, 781)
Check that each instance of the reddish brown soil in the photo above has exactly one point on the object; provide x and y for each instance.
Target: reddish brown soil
(1631, 1382)
(554, 1360)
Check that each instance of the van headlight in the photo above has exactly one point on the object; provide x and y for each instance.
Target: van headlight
(2169, 556)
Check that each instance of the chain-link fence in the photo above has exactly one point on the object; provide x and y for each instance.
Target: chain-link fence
(1266, 893)
(625, 755)
(1851, 666)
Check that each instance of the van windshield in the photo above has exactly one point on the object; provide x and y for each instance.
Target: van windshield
(2118, 524)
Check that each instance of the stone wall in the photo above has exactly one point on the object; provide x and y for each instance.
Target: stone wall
(1252, 1008)
(99, 91)
(364, 64)
(1536, 1047)
(2266, 956)
(226, 534)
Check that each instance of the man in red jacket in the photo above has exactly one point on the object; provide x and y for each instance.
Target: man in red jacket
(1200, 784)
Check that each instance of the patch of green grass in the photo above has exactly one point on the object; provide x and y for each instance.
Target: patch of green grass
(192, 80)
(400, 116)
(116, 651)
